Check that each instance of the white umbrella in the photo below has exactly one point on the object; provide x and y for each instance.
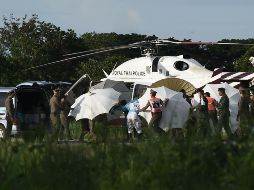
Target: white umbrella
(233, 95)
(176, 112)
(119, 86)
(94, 103)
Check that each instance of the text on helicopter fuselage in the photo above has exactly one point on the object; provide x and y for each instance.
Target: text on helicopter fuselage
(129, 73)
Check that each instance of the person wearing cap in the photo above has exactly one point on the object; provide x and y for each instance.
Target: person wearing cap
(212, 112)
(243, 110)
(55, 108)
(223, 113)
(10, 112)
(156, 109)
(202, 115)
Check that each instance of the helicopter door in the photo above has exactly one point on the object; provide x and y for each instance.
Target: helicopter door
(78, 88)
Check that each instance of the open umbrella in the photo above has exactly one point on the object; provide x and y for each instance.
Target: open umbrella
(176, 112)
(233, 95)
(119, 86)
(94, 103)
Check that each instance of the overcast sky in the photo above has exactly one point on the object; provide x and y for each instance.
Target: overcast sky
(199, 20)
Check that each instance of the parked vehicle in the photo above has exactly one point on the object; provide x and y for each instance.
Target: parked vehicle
(31, 103)
(3, 123)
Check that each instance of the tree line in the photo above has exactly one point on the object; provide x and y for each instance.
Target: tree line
(27, 42)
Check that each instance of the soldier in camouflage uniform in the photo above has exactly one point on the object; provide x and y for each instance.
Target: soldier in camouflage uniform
(243, 111)
(223, 113)
(202, 115)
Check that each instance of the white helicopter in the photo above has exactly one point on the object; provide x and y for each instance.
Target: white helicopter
(150, 69)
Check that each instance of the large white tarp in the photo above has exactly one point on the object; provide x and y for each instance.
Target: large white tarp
(176, 112)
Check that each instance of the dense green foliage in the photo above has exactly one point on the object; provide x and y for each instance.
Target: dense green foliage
(29, 42)
(155, 163)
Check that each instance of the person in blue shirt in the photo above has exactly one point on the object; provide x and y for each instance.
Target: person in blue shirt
(131, 110)
(133, 120)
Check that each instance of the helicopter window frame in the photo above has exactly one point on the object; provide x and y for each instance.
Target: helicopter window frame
(181, 66)
(160, 71)
(155, 64)
(167, 73)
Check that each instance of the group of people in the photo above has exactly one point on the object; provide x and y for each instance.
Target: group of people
(207, 116)
(211, 116)
(59, 110)
(132, 110)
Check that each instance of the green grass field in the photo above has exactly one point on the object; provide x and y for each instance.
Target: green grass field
(110, 163)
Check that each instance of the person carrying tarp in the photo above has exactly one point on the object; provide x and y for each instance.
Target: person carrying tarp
(156, 109)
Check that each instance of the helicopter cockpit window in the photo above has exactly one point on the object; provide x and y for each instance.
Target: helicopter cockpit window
(181, 66)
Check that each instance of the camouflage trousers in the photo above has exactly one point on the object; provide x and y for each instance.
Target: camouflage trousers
(223, 122)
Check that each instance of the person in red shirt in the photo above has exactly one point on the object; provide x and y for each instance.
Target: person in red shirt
(212, 112)
(156, 109)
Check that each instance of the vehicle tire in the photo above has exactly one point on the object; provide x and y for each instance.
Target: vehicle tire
(2, 132)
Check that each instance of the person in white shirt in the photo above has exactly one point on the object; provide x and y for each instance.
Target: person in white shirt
(133, 120)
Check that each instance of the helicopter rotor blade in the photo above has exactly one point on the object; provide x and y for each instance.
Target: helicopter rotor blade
(142, 44)
(92, 52)
(134, 45)
(162, 42)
